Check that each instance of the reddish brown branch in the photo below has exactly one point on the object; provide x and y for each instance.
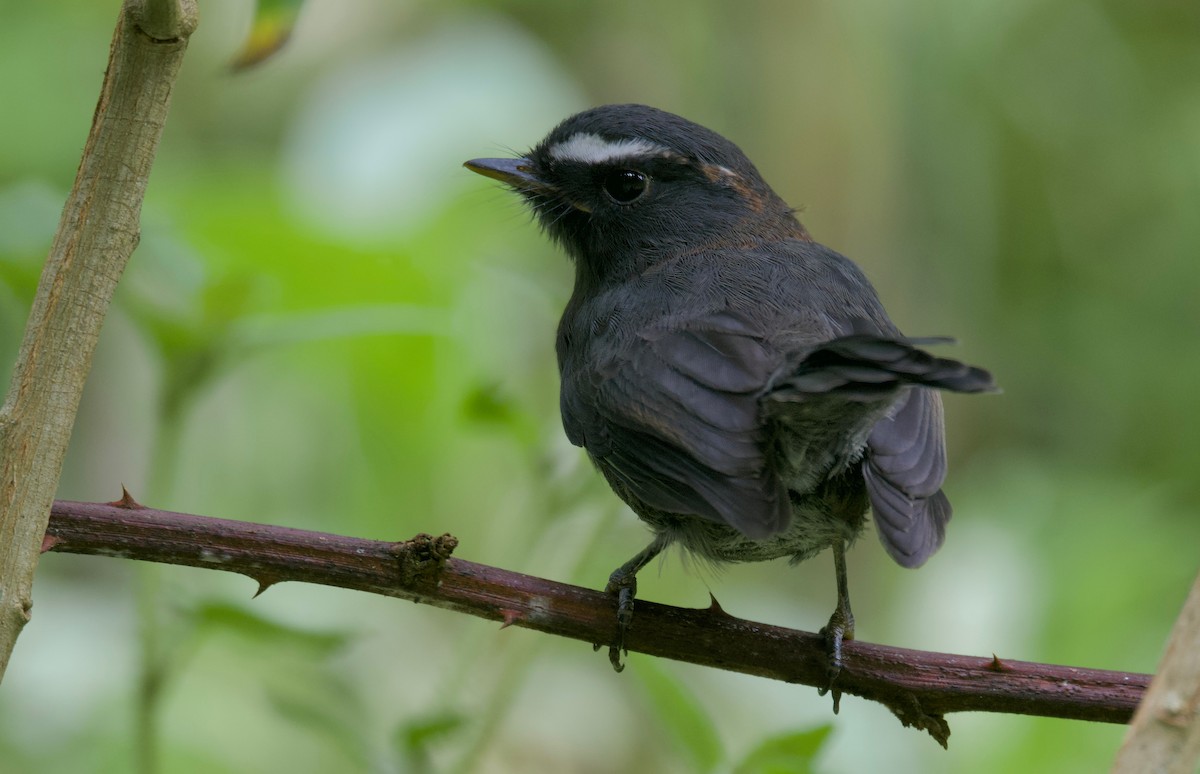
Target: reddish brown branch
(920, 687)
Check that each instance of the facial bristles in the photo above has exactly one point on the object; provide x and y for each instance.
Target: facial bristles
(593, 149)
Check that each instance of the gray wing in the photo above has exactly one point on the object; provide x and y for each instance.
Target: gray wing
(904, 468)
(905, 461)
(676, 424)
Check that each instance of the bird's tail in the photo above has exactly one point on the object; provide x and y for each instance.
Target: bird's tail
(866, 367)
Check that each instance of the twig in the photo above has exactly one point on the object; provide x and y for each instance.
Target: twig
(919, 687)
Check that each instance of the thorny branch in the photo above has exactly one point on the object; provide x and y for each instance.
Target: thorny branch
(919, 687)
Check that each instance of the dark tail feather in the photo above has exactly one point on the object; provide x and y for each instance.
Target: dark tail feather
(864, 367)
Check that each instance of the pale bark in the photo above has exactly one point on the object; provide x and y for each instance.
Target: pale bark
(1164, 737)
(96, 235)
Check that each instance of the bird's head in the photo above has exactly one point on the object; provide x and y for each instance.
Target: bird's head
(622, 187)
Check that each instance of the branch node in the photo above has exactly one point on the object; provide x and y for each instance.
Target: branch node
(423, 557)
(165, 22)
(910, 713)
(1174, 710)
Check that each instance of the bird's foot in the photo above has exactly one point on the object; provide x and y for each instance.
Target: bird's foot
(839, 629)
(624, 585)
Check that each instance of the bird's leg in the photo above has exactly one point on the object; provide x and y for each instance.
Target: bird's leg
(841, 623)
(623, 583)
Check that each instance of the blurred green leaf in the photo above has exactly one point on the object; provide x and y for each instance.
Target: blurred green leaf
(213, 615)
(494, 405)
(29, 214)
(790, 753)
(273, 23)
(326, 706)
(413, 739)
(227, 299)
(488, 403)
(296, 674)
(340, 323)
(678, 710)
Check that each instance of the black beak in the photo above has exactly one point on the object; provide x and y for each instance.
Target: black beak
(515, 172)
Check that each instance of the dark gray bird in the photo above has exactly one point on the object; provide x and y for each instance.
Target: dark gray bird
(739, 385)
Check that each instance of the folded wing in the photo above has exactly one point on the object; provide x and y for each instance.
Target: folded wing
(677, 424)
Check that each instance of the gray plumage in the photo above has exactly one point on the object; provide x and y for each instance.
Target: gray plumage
(735, 407)
(739, 385)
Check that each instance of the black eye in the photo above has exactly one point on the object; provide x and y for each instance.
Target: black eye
(625, 185)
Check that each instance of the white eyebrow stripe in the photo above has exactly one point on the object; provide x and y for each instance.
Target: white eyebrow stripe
(594, 149)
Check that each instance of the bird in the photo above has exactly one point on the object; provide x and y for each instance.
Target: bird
(738, 384)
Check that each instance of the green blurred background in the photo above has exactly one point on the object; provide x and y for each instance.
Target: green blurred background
(329, 324)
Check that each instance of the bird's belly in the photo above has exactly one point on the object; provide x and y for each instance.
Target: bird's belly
(818, 520)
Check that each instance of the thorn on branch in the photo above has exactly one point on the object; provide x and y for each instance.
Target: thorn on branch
(127, 501)
(264, 583)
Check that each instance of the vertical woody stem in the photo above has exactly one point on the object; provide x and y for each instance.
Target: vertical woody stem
(97, 233)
